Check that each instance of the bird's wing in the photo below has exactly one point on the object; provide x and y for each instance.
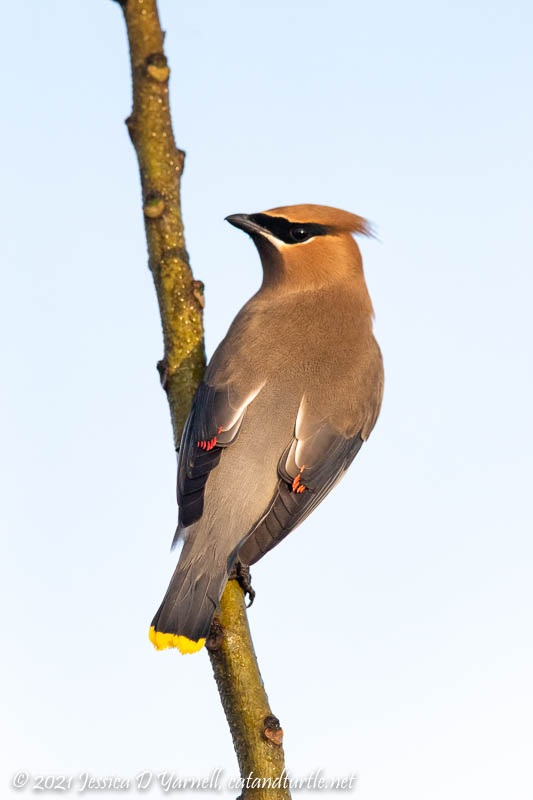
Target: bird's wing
(312, 463)
(213, 423)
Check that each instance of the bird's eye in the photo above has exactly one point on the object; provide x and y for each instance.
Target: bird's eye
(298, 233)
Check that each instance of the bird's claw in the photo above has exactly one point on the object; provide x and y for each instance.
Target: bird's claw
(241, 574)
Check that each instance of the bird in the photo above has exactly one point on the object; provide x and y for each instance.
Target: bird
(287, 400)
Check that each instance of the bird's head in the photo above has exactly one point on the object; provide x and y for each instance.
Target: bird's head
(305, 245)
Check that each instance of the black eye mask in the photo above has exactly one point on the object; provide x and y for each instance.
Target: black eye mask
(289, 232)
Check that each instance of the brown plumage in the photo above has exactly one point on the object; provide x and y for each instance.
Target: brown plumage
(288, 398)
(333, 218)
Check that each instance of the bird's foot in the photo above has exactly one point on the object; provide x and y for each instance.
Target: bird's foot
(241, 573)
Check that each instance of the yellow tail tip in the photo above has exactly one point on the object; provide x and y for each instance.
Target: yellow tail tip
(162, 640)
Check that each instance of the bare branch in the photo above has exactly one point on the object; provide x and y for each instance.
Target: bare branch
(161, 166)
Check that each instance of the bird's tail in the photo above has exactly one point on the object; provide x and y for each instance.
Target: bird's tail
(186, 613)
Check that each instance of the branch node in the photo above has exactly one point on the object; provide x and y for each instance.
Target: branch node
(163, 369)
(154, 205)
(273, 730)
(129, 122)
(159, 74)
(198, 292)
(157, 67)
(216, 635)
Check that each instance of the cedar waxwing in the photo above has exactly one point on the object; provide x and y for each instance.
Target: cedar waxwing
(287, 400)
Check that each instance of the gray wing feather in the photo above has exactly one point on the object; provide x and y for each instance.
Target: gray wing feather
(320, 460)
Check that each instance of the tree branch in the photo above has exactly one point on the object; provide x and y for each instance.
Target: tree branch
(161, 166)
(255, 731)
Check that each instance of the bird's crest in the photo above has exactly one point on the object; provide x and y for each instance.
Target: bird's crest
(333, 218)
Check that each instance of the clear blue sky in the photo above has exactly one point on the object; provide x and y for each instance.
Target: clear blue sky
(393, 628)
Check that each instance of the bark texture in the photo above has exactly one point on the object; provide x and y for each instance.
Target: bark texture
(161, 166)
(256, 732)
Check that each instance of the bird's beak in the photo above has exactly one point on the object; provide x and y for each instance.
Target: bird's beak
(244, 222)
